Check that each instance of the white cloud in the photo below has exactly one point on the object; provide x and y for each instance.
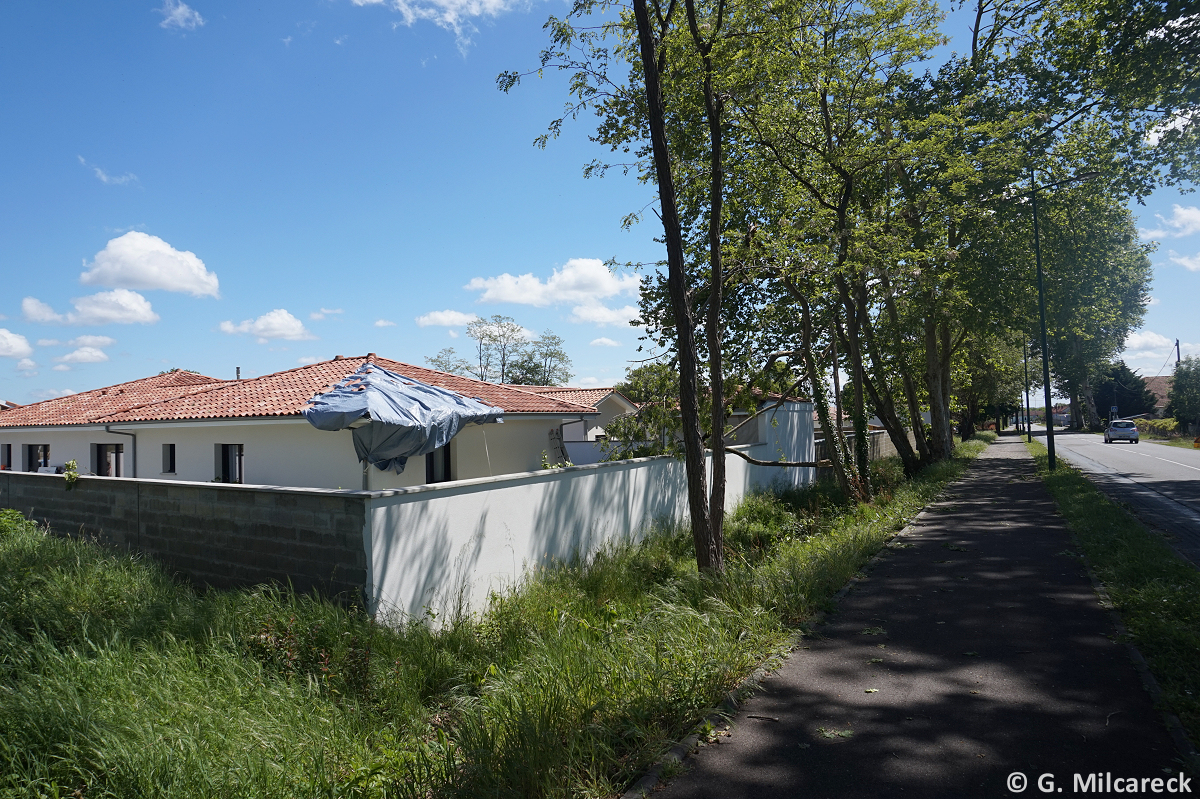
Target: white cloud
(26, 365)
(287, 41)
(604, 342)
(588, 382)
(307, 359)
(580, 281)
(1153, 301)
(62, 367)
(84, 355)
(141, 261)
(1181, 120)
(276, 324)
(1190, 262)
(1147, 341)
(446, 318)
(52, 394)
(104, 177)
(600, 315)
(452, 333)
(341, 39)
(48, 342)
(384, 323)
(13, 345)
(37, 311)
(1184, 221)
(119, 306)
(177, 14)
(453, 15)
(91, 341)
(321, 314)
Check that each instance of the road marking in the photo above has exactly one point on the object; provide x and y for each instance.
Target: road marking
(1177, 463)
(1146, 455)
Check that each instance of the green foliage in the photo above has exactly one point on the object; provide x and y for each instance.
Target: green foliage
(1120, 386)
(1183, 401)
(1158, 428)
(120, 682)
(1156, 591)
(447, 360)
(506, 354)
(71, 474)
(541, 362)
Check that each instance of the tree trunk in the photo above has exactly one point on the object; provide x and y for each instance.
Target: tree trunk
(818, 393)
(880, 391)
(910, 385)
(941, 446)
(709, 556)
(713, 110)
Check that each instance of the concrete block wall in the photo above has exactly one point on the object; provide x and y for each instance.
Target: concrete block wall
(218, 535)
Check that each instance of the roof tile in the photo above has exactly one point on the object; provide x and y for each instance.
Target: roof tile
(284, 394)
(89, 406)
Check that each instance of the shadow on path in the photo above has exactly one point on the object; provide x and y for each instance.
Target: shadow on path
(985, 650)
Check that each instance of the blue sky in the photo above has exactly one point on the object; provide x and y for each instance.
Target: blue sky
(216, 185)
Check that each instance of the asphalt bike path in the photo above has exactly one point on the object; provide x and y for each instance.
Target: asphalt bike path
(974, 649)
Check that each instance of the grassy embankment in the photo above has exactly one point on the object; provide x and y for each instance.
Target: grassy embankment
(1156, 591)
(116, 680)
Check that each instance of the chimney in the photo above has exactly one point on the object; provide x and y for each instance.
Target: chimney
(370, 356)
(239, 373)
(339, 357)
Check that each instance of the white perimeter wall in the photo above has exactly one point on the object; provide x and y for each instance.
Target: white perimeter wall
(438, 546)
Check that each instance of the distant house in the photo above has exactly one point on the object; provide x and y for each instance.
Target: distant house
(1160, 386)
(186, 426)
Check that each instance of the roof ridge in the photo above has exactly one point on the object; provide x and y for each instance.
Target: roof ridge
(228, 383)
(220, 385)
(106, 389)
(506, 386)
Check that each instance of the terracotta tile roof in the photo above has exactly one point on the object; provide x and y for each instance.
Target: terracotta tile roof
(580, 396)
(90, 406)
(286, 393)
(1161, 386)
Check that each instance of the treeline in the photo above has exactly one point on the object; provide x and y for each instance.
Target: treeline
(835, 203)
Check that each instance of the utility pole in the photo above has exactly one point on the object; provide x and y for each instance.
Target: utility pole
(1037, 247)
(1176, 352)
(1025, 354)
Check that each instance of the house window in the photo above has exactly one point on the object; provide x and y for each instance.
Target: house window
(108, 459)
(437, 466)
(6, 456)
(229, 463)
(168, 459)
(36, 456)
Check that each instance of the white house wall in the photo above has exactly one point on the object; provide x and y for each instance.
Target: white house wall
(288, 452)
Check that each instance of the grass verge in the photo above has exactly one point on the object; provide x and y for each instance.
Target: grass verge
(116, 681)
(1182, 443)
(1156, 591)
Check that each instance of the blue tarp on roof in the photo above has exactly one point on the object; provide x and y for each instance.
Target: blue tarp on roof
(407, 417)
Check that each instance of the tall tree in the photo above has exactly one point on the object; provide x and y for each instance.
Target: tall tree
(543, 361)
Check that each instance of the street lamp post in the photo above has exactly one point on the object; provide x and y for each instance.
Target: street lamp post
(1037, 247)
(1025, 354)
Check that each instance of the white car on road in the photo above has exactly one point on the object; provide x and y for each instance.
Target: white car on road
(1121, 430)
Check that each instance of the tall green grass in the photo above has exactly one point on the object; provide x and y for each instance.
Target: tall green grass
(1156, 591)
(116, 681)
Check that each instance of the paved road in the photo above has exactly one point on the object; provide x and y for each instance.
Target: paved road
(1160, 483)
(974, 648)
